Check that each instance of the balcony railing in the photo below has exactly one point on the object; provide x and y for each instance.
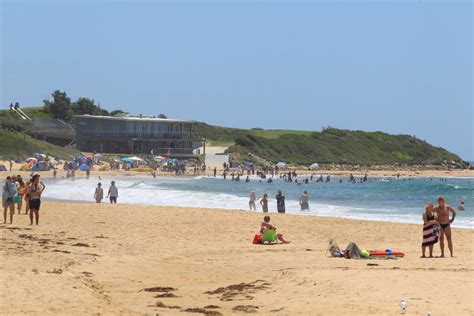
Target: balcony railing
(137, 134)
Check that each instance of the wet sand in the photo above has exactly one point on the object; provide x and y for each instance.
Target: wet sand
(88, 259)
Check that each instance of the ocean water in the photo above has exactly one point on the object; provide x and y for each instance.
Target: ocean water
(382, 199)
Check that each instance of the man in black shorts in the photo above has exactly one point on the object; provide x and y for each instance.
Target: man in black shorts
(443, 211)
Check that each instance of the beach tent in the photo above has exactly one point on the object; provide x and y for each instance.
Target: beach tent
(83, 167)
(281, 164)
(25, 167)
(314, 166)
(39, 156)
(31, 160)
(2, 168)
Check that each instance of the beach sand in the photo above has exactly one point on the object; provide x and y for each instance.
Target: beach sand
(358, 172)
(88, 259)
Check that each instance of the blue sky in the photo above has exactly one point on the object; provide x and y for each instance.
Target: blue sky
(399, 67)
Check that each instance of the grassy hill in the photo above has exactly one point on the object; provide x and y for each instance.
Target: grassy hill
(295, 147)
(14, 143)
(329, 146)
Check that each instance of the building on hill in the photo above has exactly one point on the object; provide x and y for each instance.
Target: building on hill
(136, 135)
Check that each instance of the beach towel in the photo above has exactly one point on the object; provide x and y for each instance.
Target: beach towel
(430, 234)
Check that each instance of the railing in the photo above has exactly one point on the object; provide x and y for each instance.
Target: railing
(138, 134)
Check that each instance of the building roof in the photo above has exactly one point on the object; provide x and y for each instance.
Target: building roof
(131, 118)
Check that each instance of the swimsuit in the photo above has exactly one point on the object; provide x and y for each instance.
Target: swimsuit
(444, 226)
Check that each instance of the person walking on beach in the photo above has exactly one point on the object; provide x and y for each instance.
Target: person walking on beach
(8, 199)
(99, 193)
(430, 230)
(264, 203)
(304, 201)
(215, 172)
(280, 202)
(34, 191)
(253, 198)
(113, 193)
(443, 211)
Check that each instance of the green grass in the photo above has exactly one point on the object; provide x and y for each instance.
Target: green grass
(36, 112)
(14, 143)
(331, 146)
(275, 133)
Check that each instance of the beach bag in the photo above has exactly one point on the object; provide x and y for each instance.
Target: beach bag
(257, 239)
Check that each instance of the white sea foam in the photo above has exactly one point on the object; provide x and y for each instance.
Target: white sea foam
(139, 190)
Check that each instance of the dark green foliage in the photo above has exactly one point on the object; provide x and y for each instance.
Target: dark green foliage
(60, 107)
(86, 106)
(117, 113)
(343, 147)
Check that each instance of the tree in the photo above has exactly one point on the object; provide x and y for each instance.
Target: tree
(83, 106)
(60, 107)
(162, 116)
(118, 113)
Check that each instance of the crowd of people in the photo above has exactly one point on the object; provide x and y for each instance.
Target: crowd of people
(17, 192)
(280, 200)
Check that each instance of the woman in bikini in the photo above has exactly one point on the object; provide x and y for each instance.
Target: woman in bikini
(430, 230)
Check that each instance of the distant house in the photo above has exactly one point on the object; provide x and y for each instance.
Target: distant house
(135, 135)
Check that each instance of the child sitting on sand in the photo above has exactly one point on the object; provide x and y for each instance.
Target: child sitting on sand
(266, 226)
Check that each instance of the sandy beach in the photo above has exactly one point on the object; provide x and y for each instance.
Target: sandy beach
(88, 259)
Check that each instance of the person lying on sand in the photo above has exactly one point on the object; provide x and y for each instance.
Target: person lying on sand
(443, 211)
(266, 226)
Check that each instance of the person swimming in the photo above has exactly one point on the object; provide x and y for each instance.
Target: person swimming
(461, 206)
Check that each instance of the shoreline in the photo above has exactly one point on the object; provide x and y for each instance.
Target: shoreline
(55, 200)
(89, 259)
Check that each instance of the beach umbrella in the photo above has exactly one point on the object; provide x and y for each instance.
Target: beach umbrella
(314, 166)
(31, 160)
(39, 156)
(53, 162)
(281, 164)
(159, 158)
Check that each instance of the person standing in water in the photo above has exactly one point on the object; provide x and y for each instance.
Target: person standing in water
(99, 193)
(304, 201)
(215, 172)
(264, 203)
(253, 198)
(280, 202)
(443, 211)
(34, 192)
(113, 193)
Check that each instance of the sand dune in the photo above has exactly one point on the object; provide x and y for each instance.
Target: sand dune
(87, 259)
